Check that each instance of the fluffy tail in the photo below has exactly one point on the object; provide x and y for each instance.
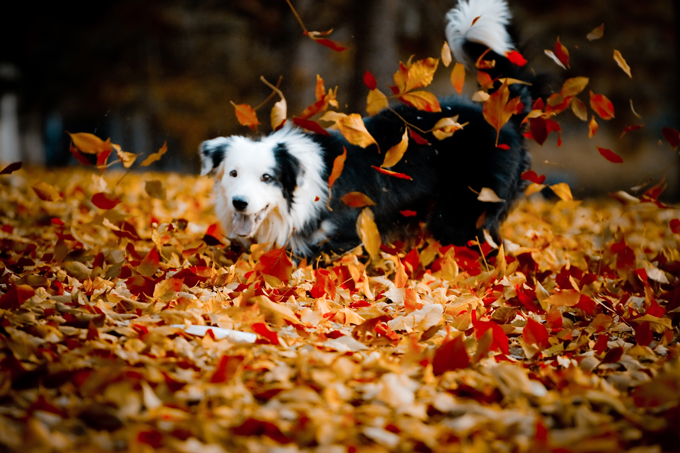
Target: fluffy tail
(477, 26)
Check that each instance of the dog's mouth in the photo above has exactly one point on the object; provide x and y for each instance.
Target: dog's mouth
(246, 225)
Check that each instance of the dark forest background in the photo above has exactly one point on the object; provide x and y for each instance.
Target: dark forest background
(145, 72)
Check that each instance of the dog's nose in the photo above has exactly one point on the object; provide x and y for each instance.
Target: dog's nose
(239, 203)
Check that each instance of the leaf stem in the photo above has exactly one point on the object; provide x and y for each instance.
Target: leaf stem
(297, 16)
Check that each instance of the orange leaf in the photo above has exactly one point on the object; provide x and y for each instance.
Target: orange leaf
(458, 77)
(573, 86)
(46, 192)
(368, 232)
(596, 33)
(276, 263)
(446, 54)
(602, 106)
(357, 200)
(564, 298)
(338, 165)
(499, 108)
(245, 115)
(89, 143)
(395, 153)
(422, 100)
(149, 264)
(127, 159)
(392, 173)
(562, 53)
(592, 127)
(415, 75)
(155, 156)
(610, 155)
(105, 200)
(563, 191)
(352, 127)
(489, 196)
(622, 63)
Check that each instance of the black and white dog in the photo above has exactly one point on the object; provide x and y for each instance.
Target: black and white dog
(275, 189)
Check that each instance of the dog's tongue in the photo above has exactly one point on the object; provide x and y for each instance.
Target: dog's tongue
(243, 225)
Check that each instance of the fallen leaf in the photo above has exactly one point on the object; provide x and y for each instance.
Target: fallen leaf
(46, 192)
(104, 200)
(368, 232)
(155, 189)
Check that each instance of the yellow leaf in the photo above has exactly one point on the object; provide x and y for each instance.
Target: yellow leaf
(533, 188)
(376, 101)
(445, 127)
(278, 114)
(446, 54)
(338, 165)
(488, 195)
(458, 77)
(267, 306)
(563, 191)
(368, 232)
(596, 33)
(422, 100)
(622, 63)
(127, 159)
(592, 127)
(46, 192)
(352, 127)
(89, 143)
(564, 298)
(415, 75)
(579, 109)
(573, 86)
(155, 156)
(395, 153)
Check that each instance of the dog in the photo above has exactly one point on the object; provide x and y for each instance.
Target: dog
(275, 189)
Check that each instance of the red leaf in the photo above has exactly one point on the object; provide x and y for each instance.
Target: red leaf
(627, 129)
(562, 53)
(586, 304)
(323, 285)
(261, 329)
(407, 213)
(532, 176)
(78, 155)
(675, 226)
(11, 168)
(15, 296)
(655, 309)
(601, 344)
(536, 333)
(417, 137)
(602, 106)
(369, 81)
(392, 173)
(149, 264)
(327, 42)
(613, 355)
(539, 131)
(105, 200)
(643, 334)
(610, 155)
(451, 355)
(310, 125)
(276, 263)
(503, 147)
(672, 136)
(516, 58)
(226, 368)
(500, 340)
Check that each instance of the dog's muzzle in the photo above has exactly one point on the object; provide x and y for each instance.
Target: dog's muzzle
(246, 225)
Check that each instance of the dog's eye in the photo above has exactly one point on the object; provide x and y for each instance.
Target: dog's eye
(233, 173)
(266, 177)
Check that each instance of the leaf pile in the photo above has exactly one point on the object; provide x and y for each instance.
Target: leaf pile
(565, 339)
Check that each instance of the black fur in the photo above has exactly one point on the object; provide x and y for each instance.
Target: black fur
(287, 172)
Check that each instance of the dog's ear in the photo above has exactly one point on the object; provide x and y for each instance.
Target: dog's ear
(212, 154)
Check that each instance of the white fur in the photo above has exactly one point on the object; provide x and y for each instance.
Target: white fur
(251, 159)
(489, 29)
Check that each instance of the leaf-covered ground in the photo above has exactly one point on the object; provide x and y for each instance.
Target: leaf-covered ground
(565, 340)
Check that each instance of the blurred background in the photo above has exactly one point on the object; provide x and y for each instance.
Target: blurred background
(143, 73)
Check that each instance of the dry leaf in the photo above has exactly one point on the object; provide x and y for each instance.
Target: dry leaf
(368, 232)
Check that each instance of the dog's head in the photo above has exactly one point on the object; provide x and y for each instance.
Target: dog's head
(253, 179)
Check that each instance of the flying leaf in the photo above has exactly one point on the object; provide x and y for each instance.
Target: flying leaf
(610, 155)
(11, 168)
(155, 156)
(499, 108)
(592, 127)
(554, 58)
(127, 159)
(563, 191)
(562, 53)
(417, 137)
(395, 153)
(672, 136)
(579, 109)
(317, 36)
(622, 63)
(246, 116)
(46, 192)
(104, 200)
(90, 143)
(573, 86)
(516, 58)
(310, 125)
(357, 200)
(421, 100)
(338, 165)
(414, 75)
(408, 213)
(633, 127)
(369, 81)
(278, 114)
(602, 106)
(489, 196)
(155, 189)
(352, 127)
(368, 232)
(392, 173)
(446, 54)
(596, 33)
(323, 100)
(632, 109)
(376, 101)
(445, 127)
(78, 155)
(532, 176)
(458, 77)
